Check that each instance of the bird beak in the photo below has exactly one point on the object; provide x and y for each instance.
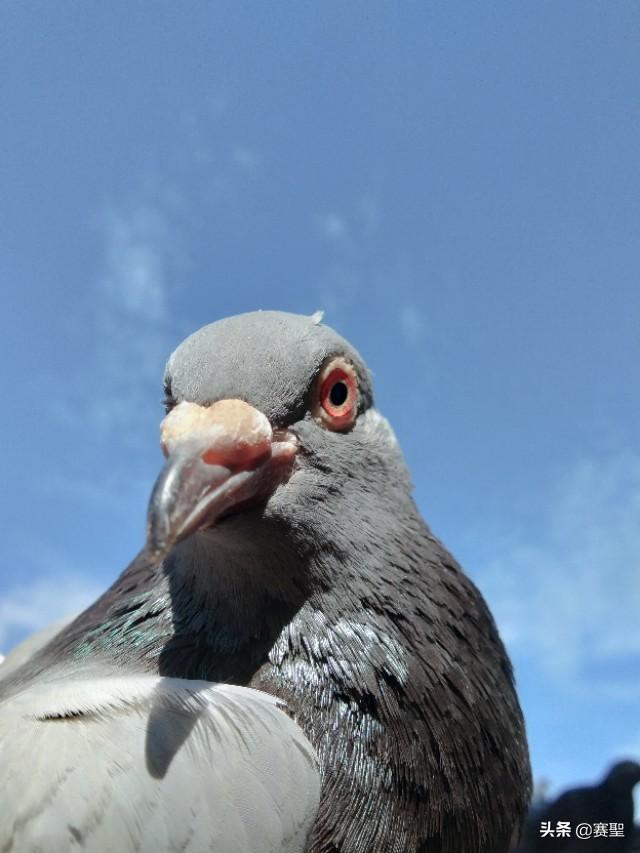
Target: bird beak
(218, 458)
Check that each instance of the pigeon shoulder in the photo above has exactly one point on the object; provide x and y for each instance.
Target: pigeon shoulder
(25, 650)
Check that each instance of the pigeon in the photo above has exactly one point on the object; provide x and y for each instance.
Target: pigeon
(606, 808)
(293, 662)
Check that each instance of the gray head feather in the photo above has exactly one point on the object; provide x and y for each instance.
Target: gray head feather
(266, 358)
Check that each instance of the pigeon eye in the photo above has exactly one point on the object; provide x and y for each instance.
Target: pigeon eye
(169, 403)
(339, 393)
(168, 400)
(337, 398)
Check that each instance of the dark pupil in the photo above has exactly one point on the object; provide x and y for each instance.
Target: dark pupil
(339, 393)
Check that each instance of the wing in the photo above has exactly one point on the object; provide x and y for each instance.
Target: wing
(153, 764)
(31, 645)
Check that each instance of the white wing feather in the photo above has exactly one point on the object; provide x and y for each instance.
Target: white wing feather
(153, 764)
(24, 650)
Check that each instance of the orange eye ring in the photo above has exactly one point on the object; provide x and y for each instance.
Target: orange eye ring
(337, 396)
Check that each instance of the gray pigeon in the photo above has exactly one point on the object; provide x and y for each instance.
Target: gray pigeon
(293, 662)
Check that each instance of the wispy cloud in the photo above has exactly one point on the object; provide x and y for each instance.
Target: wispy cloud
(570, 600)
(103, 490)
(412, 324)
(134, 282)
(337, 290)
(133, 327)
(118, 386)
(245, 157)
(348, 232)
(110, 400)
(332, 226)
(26, 608)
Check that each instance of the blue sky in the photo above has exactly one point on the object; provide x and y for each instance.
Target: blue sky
(455, 184)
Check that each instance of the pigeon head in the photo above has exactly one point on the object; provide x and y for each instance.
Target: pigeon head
(266, 411)
(623, 776)
(269, 359)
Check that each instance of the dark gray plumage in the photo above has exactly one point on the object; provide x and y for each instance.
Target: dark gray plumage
(334, 596)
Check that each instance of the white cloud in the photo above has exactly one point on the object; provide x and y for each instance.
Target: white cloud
(118, 385)
(353, 229)
(104, 489)
(332, 226)
(25, 608)
(134, 283)
(571, 599)
(246, 158)
(412, 324)
(350, 281)
(337, 290)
